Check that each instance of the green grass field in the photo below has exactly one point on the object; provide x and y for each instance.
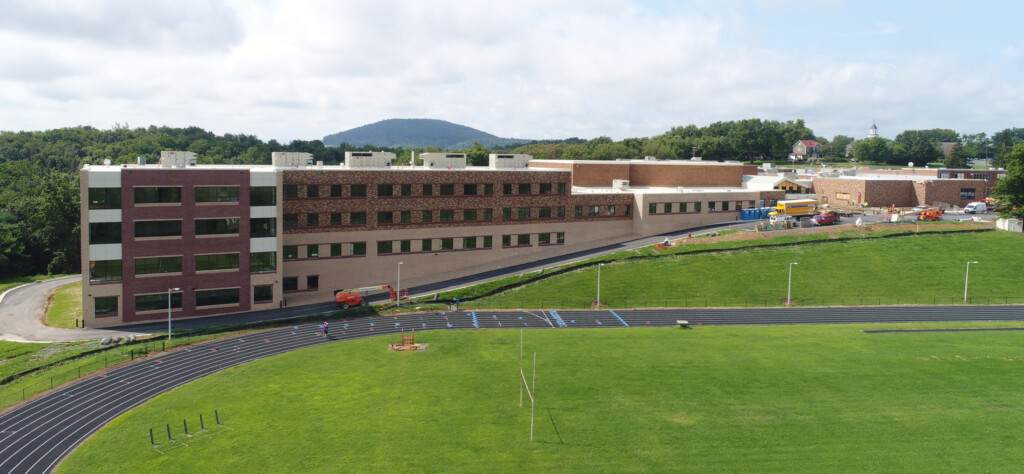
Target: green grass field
(66, 306)
(711, 399)
(921, 269)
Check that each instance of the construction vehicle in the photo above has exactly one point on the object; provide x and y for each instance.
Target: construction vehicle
(933, 214)
(795, 208)
(349, 298)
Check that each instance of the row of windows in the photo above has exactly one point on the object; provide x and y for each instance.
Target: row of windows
(107, 305)
(110, 232)
(387, 247)
(110, 270)
(292, 283)
(354, 249)
(449, 215)
(110, 198)
(713, 206)
(291, 191)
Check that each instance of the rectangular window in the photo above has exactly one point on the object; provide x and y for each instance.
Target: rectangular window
(216, 193)
(750, 204)
(739, 205)
(158, 229)
(593, 211)
(358, 190)
(384, 247)
(560, 238)
(313, 282)
(488, 242)
(469, 242)
(506, 213)
(105, 270)
(105, 198)
(561, 212)
(682, 207)
(544, 213)
(543, 239)
(725, 205)
(217, 297)
(524, 188)
(506, 188)
(262, 196)
(406, 190)
(405, 217)
(291, 220)
(488, 214)
(696, 207)
(312, 220)
(105, 233)
(262, 262)
(506, 241)
(446, 215)
(447, 189)
(448, 244)
(843, 196)
(312, 191)
(220, 261)
(469, 190)
(335, 250)
(629, 210)
(228, 225)
(291, 191)
(357, 248)
(944, 175)
(545, 188)
(357, 218)
(523, 239)
(668, 207)
(561, 188)
(384, 217)
(427, 245)
(157, 302)
(335, 218)
(428, 189)
(158, 195)
(405, 246)
(469, 214)
(105, 306)
(523, 213)
(385, 190)
(578, 211)
(290, 283)
(312, 251)
(611, 210)
(428, 216)
(652, 208)
(335, 190)
(966, 193)
(488, 189)
(290, 252)
(711, 206)
(263, 293)
(262, 227)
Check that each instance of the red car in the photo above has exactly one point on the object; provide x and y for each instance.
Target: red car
(825, 219)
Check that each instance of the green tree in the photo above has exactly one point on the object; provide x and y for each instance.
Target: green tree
(917, 146)
(835, 150)
(876, 150)
(477, 155)
(1010, 189)
(957, 157)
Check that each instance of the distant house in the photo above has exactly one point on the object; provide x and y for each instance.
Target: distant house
(804, 149)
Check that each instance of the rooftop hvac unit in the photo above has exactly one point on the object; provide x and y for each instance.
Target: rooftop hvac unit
(620, 184)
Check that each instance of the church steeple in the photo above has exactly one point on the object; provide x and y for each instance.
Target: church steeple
(873, 132)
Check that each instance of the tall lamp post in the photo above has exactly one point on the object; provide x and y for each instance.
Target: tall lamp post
(398, 296)
(967, 277)
(789, 291)
(169, 290)
(599, 285)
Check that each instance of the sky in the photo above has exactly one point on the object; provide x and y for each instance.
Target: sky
(543, 69)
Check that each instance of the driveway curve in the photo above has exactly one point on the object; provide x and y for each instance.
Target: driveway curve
(21, 315)
(36, 436)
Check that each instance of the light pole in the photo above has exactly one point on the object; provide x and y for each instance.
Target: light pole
(789, 291)
(599, 285)
(398, 296)
(169, 290)
(967, 276)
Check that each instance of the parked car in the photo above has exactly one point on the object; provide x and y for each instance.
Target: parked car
(920, 208)
(976, 207)
(825, 219)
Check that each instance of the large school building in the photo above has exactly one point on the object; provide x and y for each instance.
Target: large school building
(217, 239)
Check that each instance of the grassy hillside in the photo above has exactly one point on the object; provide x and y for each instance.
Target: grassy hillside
(922, 269)
(713, 399)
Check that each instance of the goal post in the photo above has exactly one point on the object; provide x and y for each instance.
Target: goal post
(530, 387)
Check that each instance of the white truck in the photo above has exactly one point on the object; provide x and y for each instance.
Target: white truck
(976, 207)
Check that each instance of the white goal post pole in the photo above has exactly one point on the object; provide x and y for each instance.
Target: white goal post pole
(521, 368)
(533, 401)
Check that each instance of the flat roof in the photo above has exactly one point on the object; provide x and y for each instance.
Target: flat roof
(658, 190)
(643, 162)
(268, 168)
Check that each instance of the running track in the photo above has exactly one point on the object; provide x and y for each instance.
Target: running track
(36, 436)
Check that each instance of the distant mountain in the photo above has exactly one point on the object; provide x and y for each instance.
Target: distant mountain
(419, 133)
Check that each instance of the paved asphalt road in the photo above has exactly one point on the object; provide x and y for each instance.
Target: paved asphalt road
(37, 435)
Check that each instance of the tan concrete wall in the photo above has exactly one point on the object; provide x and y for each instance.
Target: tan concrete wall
(689, 175)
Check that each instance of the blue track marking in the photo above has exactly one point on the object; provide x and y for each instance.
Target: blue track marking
(620, 318)
(476, 323)
(558, 319)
